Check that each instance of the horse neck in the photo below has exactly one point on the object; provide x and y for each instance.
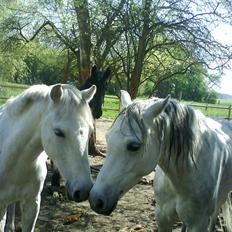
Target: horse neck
(175, 167)
(26, 135)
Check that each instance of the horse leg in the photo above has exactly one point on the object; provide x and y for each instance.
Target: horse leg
(183, 228)
(165, 217)
(55, 180)
(2, 218)
(93, 150)
(213, 221)
(10, 218)
(30, 211)
(195, 223)
(200, 226)
(165, 197)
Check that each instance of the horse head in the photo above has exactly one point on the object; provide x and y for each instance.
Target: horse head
(65, 132)
(133, 151)
(98, 78)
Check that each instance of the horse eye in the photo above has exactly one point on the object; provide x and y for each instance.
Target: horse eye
(59, 133)
(134, 146)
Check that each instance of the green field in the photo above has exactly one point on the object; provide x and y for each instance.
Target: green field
(111, 103)
(225, 102)
(110, 107)
(220, 110)
(8, 90)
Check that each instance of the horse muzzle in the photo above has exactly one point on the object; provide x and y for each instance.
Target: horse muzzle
(78, 192)
(102, 204)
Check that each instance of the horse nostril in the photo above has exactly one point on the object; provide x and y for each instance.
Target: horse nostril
(77, 196)
(80, 195)
(99, 204)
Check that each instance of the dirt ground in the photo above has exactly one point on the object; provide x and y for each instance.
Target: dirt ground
(134, 213)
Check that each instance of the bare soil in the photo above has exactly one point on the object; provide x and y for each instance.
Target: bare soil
(134, 213)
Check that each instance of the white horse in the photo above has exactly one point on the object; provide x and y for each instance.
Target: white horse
(193, 151)
(56, 119)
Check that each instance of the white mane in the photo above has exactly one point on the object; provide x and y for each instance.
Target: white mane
(16, 105)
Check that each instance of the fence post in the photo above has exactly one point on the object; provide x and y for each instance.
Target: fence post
(119, 105)
(229, 112)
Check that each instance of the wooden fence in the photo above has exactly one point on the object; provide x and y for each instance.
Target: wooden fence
(210, 110)
(227, 114)
(220, 111)
(10, 90)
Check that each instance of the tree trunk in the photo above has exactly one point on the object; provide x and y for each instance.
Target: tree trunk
(83, 19)
(141, 51)
(67, 67)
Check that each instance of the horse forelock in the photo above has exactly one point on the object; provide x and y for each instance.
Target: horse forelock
(72, 98)
(132, 115)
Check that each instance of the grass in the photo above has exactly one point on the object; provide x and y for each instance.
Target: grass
(221, 110)
(110, 107)
(8, 90)
(111, 103)
(224, 102)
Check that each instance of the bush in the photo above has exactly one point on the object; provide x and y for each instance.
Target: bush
(211, 97)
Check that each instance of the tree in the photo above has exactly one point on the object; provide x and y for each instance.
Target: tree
(87, 35)
(147, 40)
(179, 38)
(84, 52)
(190, 86)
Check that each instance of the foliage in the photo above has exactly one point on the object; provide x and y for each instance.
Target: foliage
(189, 86)
(211, 97)
(151, 45)
(44, 65)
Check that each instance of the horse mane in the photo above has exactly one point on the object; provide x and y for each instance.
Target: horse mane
(24, 101)
(178, 124)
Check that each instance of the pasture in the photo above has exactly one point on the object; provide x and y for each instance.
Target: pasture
(135, 211)
(222, 109)
(111, 103)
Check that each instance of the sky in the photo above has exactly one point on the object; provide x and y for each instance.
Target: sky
(223, 33)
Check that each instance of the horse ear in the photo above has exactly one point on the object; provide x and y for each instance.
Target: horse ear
(125, 98)
(107, 73)
(88, 94)
(56, 92)
(155, 108)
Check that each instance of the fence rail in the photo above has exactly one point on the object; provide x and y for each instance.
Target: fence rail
(207, 109)
(9, 90)
(13, 86)
(222, 111)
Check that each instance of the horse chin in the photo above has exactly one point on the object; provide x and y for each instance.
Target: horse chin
(103, 202)
(107, 212)
(75, 194)
(104, 211)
